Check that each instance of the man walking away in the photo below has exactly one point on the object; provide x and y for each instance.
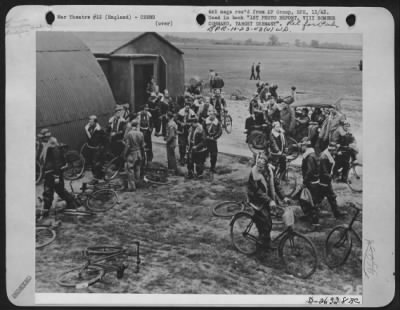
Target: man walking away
(252, 75)
(213, 131)
(258, 70)
(197, 149)
(170, 139)
(133, 155)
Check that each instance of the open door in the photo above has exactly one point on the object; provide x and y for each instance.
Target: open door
(162, 73)
(142, 74)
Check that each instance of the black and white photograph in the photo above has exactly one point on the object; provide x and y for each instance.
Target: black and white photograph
(231, 164)
(199, 156)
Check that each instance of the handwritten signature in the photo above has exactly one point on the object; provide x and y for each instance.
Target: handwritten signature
(370, 267)
(20, 26)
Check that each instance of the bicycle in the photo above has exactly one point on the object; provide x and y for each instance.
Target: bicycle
(100, 261)
(226, 121)
(339, 242)
(297, 252)
(96, 200)
(156, 173)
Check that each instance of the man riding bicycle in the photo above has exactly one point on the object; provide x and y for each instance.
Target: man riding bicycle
(260, 195)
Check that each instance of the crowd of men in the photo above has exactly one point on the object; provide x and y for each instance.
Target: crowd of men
(327, 144)
(194, 124)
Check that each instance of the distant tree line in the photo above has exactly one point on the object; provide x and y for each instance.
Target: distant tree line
(273, 40)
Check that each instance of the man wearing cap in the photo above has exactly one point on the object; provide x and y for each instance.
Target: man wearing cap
(310, 173)
(204, 111)
(133, 154)
(54, 164)
(116, 129)
(182, 121)
(145, 123)
(91, 129)
(197, 149)
(273, 91)
(331, 123)
(170, 141)
(151, 86)
(327, 162)
(302, 122)
(345, 142)
(219, 103)
(164, 107)
(43, 138)
(213, 131)
(278, 146)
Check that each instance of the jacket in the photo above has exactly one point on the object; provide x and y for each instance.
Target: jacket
(134, 142)
(288, 119)
(197, 139)
(172, 129)
(310, 167)
(326, 164)
(54, 159)
(213, 128)
(258, 194)
(277, 143)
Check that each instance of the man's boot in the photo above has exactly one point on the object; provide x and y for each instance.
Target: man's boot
(336, 212)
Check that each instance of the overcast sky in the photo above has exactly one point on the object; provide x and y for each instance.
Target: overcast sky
(352, 39)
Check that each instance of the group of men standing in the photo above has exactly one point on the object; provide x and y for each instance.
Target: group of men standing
(257, 69)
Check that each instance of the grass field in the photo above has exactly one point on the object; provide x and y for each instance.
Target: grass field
(185, 248)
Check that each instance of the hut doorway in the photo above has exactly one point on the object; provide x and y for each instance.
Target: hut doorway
(142, 74)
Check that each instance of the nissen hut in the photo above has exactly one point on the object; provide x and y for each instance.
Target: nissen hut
(129, 60)
(70, 86)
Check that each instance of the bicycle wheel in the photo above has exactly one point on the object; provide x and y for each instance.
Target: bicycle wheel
(103, 250)
(354, 178)
(293, 149)
(113, 167)
(39, 171)
(244, 233)
(80, 277)
(44, 236)
(102, 200)
(298, 254)
(73, 212)
(228, 123)
(227, 209)
(75, 165)
(257, 141)
(338, 246)
(289, 181)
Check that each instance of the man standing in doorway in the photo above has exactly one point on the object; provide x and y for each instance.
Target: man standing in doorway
(170, 139)
(252, 75)
(258, 70)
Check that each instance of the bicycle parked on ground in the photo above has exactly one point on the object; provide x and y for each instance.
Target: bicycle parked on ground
(100, 261)
(339, 242)
(297, 252)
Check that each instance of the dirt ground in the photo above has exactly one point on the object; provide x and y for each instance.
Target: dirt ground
(184, 248)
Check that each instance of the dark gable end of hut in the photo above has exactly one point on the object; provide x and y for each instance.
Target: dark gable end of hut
(70, 86)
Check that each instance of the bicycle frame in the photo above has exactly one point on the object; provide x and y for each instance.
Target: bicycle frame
(350, 225)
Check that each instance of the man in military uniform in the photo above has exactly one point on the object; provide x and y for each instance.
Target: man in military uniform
(54, 164)
(213, 131)
(145, 123)
(182, 121)
(170, 141)
(197, 149)
(327, 163)
(219, 103)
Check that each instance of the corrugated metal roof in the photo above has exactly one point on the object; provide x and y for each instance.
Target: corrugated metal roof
(70, 83)
(58, 41)
(109, 42)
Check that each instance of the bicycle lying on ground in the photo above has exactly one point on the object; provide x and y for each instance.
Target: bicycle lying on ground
(100, 261)
(339, 242)
(297, 252)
